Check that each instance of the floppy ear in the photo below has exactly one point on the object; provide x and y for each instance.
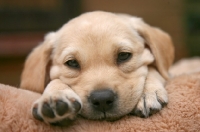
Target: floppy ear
(35, 69)
(159, 43)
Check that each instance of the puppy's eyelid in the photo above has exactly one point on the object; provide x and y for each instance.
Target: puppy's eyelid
(69, 57)
(125, 49)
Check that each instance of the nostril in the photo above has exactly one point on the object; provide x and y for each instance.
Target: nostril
(109, 102)
(96, 103)
(106, 102)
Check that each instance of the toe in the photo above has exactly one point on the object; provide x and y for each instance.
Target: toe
(77, 106)
(47, 111)
(138, 113)
(163, 103)
(61, 107)
(153, 111)
(36, 115)
(141, 109)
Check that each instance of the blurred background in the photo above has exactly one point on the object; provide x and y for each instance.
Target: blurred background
(23, 25)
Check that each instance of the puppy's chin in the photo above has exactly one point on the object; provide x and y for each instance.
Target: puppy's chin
(101, 116)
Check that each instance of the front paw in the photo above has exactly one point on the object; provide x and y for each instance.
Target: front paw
(151, 102)
(59, 108)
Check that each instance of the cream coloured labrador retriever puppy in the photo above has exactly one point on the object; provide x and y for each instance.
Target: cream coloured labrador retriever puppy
(100, 66)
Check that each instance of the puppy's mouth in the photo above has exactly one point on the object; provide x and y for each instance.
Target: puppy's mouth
(112, 114)
(103, 105)
(104, 116)
(109, 118)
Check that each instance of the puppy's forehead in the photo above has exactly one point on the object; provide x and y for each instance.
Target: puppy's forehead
(95, 22)
(96, 18)
(97, 32)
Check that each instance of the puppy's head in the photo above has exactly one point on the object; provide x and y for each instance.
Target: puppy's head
(103, 57)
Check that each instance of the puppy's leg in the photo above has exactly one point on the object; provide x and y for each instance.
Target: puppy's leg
(58, 105)
(154, 95)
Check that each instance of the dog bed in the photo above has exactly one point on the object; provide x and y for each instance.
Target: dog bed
(181, 114)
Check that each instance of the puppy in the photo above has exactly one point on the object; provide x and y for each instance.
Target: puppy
(100, 66)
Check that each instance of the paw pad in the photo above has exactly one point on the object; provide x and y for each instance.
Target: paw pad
(47, 110)
(35, 114)
(61, 107)
(59, 112)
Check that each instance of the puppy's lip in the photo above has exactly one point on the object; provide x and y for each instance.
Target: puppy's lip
(111, 119)
(102, 118)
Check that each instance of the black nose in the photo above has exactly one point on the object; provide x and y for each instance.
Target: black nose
(102, 100)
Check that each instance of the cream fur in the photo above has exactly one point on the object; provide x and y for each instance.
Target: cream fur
(95, 40)
(181, 114)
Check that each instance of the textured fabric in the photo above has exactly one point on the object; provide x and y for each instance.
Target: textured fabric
(181, 114)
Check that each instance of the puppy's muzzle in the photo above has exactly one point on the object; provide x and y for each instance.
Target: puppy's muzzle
(102, 100)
